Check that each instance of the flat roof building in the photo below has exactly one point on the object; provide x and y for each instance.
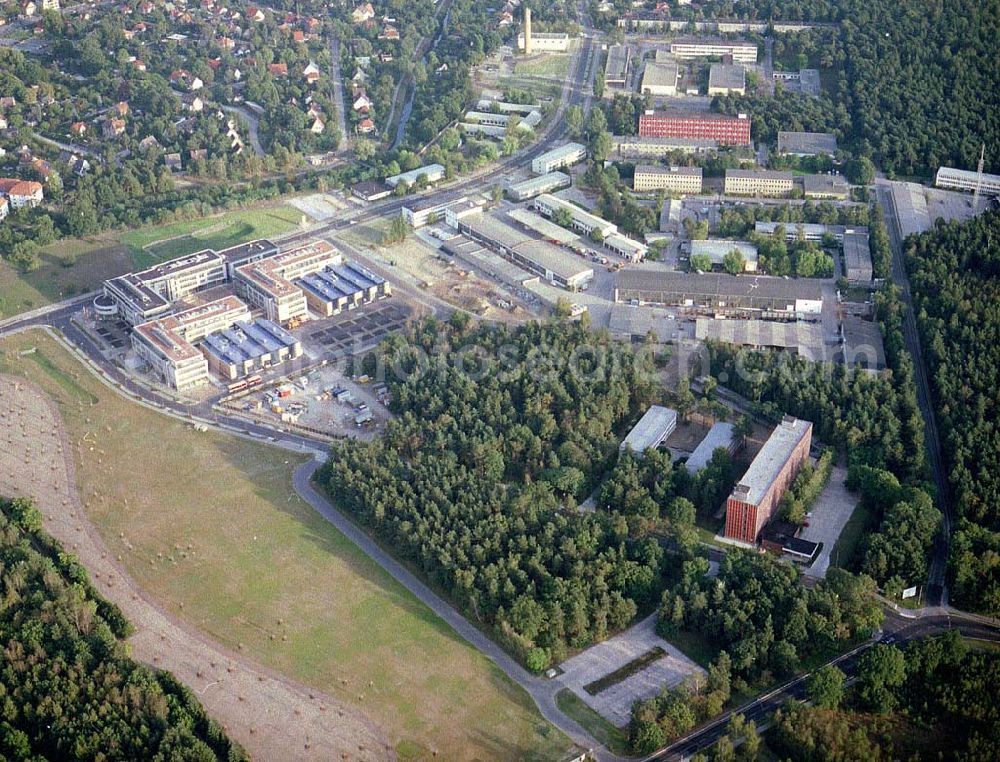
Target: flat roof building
(625, 247)
(727, 130)
(712, 294)
(724, 79)
(676, 179)
(422, 210)
(631, 146)
(964, 180)
(722, 435)
(431, 173)
(659, 79)
(803, 339)
(807, 143)
(545, 228)
(535, 186)
(268, 284)
(245, 253)
(167, 344)
(371, 190)
(857, 257)
(740, 50)
(563, 156)
(651, 431)
(716, 249)
(547, 260)
(554, 42)
(580, 219)
(826, 187)
(617, 67)
(757, 182)
(810, 231)
(148, 294)
(756, 497)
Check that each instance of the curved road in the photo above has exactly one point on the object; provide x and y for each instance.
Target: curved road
(542, 691)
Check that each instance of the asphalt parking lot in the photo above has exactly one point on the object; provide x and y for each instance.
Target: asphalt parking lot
(359, 329)
(830, 514)
(614, 702)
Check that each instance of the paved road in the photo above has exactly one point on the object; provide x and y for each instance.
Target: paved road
(897, 629)
(336, 75)
(253, 126)
(937, 592)
(542, 691)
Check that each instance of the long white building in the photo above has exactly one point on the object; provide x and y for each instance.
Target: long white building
(558, 158)
(965, 180)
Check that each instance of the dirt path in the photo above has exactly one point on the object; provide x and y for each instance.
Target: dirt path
(273, 717)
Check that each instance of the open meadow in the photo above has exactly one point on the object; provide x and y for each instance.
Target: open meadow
(208, 526)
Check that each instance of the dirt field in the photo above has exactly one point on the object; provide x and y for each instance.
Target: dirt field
(271, 716)
(216, 537)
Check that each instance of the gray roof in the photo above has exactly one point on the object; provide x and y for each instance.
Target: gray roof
(771, 459)
(810, 143)
(720, 435)
(659, 169)
(659, 74)
(618, 60)
(827, 184)
(805, 338)
(770, 174)
(857, 254)
(654, 426)
(727, 75)
(638, 279)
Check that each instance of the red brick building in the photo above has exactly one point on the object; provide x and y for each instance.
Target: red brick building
(756, 497)
(728, 130)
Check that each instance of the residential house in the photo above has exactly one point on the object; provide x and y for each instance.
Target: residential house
(311, 73)
(122, 109)
(28, 8)
(192, 102)
(173, 162)
(389, 33)
(361, 103)
(4, 207)
(363, 12)
(113, 127)
(365, 127)
(21, 193)
(318, 126)
(78, 129)
(278, 69)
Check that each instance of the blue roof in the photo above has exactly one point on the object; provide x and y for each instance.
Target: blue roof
(248, 341)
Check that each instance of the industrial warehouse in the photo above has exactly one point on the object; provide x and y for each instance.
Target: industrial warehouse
(183, 342)
(719, 294)
(542, 258)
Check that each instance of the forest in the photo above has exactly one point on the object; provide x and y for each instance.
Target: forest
(499, 434)
(953, 274)
(873, 420)
(762, 621)
(68, 689)
(934, 698)
(910, 85)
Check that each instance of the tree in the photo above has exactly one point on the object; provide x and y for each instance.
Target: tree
(733, 262)
(574, 121)
(826, 687)
(860, 171)
(701, 262)
(364, 149)
(599, 84)
(24, 256)
(600, 146)
(694, 230)
(881, 671)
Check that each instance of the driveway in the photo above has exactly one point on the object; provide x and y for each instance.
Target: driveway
(831, 512)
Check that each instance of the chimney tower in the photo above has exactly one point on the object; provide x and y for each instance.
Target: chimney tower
(527, 31)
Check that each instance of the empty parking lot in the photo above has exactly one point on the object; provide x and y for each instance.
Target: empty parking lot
(614, 702)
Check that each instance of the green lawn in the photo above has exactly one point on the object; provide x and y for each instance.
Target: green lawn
(156, 244)
(862, 522)
(695, 647)
(73, 266)
(213, 531)
(544, 65)
(615, 739)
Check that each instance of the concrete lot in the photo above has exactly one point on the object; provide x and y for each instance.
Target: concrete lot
(830, 513)
(355, 330)
(320, 206)
(615, 702)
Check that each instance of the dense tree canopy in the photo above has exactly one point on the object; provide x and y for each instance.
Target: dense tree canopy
(499, 433)
(954, 270)
(67, 687)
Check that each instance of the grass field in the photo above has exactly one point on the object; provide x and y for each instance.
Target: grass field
(616, 739)
(544, 65)
(861, 523)
(217, 232)
(210, 527)
(74, 266)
